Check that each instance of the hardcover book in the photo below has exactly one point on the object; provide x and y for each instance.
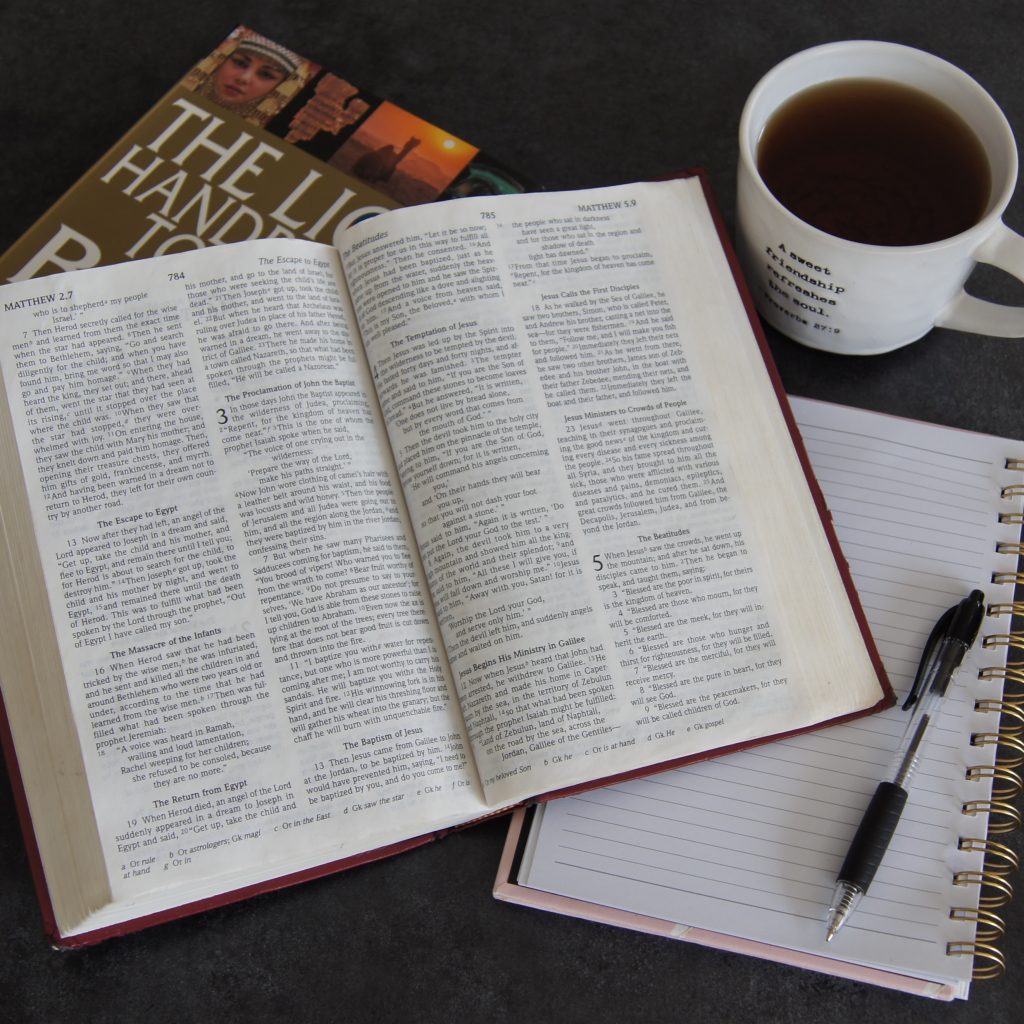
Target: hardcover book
(312, 553)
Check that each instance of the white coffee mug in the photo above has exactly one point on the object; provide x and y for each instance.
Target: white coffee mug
(861, 299)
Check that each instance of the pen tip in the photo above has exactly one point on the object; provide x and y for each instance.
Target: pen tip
(844, 900)
(836, 919)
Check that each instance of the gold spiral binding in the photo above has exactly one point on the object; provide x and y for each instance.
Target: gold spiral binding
(1011, 608)
(993, 962)
(1011, 675)
(996, 890)
(1011, 721)
(1014, 640)
(1006, 783)
(1003, 739)
(1003, 816)
(1008, 577)
(988, 926)
(1000, 859)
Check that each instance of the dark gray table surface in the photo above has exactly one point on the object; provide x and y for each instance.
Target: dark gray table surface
(574, 95)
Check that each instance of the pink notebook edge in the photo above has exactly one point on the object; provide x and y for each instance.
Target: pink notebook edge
(508, 889)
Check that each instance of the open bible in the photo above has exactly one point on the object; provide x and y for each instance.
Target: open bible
(311, 555)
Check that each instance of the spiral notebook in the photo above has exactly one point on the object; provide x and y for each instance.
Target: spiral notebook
(741, 852)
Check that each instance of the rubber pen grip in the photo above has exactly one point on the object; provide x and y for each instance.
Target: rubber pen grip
(873, 835)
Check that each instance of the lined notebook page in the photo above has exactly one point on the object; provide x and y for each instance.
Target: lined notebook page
(750, 844)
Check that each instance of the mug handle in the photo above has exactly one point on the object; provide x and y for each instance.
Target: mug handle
(1004, 249)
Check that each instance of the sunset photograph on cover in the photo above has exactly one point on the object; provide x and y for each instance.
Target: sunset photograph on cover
(403, 156)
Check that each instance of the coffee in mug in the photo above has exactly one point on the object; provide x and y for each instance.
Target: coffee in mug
(872, 179)
(875, 161)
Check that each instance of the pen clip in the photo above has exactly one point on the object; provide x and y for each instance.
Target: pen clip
(939, 632)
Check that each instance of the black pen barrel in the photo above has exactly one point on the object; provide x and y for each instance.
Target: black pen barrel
(873, 835)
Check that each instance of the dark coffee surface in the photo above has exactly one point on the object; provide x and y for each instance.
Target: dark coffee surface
(875, 161)
(573, 95)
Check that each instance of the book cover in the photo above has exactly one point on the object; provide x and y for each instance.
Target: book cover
(255, 141)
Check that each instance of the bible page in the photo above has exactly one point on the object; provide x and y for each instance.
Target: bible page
(249, 657)
(626, 563)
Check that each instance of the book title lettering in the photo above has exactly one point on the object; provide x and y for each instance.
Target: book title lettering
(197, 175)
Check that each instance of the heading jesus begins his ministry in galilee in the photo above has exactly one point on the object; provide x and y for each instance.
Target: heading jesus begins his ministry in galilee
(312, 555)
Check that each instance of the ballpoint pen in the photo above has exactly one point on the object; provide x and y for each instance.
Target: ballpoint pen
(949, 641)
